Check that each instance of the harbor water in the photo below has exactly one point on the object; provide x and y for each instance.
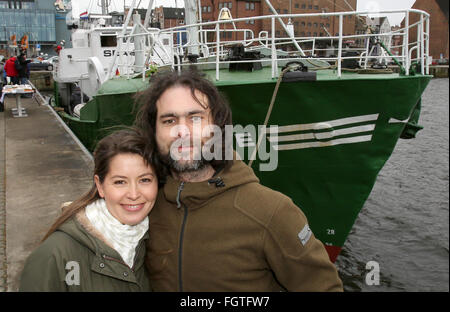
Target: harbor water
(404, 225)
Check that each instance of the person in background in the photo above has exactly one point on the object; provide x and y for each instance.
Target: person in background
(21, 65)
(2, 83)
(11, 71)
(98, 243)
(2, 73)
(59, 47)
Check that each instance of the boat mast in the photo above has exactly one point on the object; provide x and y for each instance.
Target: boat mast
(104, 5)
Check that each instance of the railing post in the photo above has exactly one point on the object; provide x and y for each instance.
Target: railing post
(418, 42)
(274, 51)
(367, 51)
(422, 47)
(217, 50)
(171, 49)
(313, 46)
(340, 44)
(406, 42)
(428, 46)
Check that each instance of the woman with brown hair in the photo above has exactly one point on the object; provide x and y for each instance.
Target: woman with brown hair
(98, 243)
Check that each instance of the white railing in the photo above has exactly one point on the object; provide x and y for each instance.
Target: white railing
(215, 42)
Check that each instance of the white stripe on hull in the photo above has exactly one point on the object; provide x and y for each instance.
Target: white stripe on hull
(321, 135)
(322, 132)
(332, 123)
(357, 139)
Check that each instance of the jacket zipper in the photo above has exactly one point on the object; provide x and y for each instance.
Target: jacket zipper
(180, 248)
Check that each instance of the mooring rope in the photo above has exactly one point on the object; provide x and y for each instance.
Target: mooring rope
(269, 111)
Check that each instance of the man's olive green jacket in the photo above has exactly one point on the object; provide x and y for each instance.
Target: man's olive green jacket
(230, 233)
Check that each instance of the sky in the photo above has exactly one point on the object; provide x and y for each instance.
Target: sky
(362, 5)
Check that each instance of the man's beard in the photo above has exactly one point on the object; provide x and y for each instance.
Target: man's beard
(180, 166)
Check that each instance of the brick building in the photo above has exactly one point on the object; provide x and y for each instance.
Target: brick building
(238, 9)
(314, 26)
(168, 17)
(320, 26)
(397, 41)
(438, 10)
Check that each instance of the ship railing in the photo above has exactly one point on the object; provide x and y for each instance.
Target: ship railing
(332, 48)
(143, 42)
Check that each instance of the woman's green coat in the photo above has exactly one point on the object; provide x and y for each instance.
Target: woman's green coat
(76, 257)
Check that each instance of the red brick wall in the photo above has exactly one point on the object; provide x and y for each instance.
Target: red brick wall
(238, 10)
(314, 6)
(438, 27)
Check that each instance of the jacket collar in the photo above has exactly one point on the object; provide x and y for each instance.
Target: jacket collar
(197, 194)
(81, 230)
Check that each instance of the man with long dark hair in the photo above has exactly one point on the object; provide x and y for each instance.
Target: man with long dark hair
(214, 227)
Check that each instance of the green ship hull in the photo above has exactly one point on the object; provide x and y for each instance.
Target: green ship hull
(334, 135)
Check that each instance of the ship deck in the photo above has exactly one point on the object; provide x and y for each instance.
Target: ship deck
(41, 167)
(265, 76)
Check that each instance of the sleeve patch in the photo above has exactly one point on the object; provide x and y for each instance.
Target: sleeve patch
(305, 235)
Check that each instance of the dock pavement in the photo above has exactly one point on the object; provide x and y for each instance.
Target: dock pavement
(41, 167)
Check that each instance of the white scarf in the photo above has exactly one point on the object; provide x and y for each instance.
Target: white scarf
(124, 238)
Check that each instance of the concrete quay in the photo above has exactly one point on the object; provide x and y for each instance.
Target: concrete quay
(41, 167)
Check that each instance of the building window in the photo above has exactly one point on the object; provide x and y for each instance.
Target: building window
(296, 5)
(310, 6)
(209, 9)
(204, 9)
(296, 23)
(328, 25)
(315, 34)
(250, 6)
(316, 7)
(230, 5)
(303, 6)
(302, 34)
(315, 25)
(285, 11)
(321, 34)
(220, 5)
(309, 34)
(303, 24)
(309, 24)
